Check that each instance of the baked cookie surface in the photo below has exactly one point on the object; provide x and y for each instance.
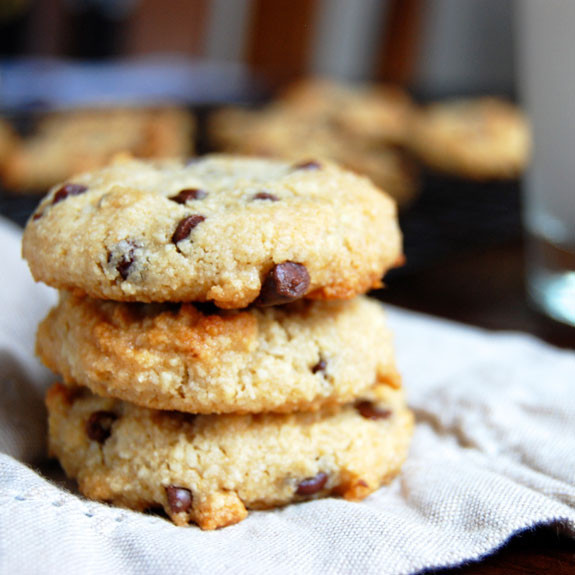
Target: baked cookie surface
(283, 358)
(484, 138)
(209, 469)
(223, 229)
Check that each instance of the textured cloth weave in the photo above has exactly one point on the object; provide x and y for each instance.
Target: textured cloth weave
(493, 454)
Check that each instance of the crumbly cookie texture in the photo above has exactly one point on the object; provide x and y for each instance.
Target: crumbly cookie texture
(485, 138)
(209, 469)
(225, 229)
(66, 143)
(283, 358)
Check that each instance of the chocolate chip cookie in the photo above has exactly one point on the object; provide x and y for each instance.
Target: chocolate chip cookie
(65, 143)
(375, 113)
(234, 231)
(209, 469)
(485, 138)
(295, 357)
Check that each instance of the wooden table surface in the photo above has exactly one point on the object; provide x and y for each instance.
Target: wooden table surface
(487, 289)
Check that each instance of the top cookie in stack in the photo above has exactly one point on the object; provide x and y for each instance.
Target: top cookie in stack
(234, 231)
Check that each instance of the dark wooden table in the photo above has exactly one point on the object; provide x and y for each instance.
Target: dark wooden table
(486, 288)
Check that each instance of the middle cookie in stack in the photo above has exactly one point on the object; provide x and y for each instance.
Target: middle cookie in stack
(314, 400)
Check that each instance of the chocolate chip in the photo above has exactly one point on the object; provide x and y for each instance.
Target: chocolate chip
(124, 255)
(310, 165)
(312, 485)
(125, 264)
(179, 498)
(285, 282)
(99, 425)
(68, 190)
(319, 366)
(186, 226)
(265, 196)
(188, 194)
(37, 216)
(370, 411)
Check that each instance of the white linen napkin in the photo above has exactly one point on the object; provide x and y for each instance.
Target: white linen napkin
(493, 454)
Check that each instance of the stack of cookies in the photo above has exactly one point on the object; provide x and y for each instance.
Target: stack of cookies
(213, 354)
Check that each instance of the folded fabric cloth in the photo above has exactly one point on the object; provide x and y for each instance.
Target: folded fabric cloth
(493, 454)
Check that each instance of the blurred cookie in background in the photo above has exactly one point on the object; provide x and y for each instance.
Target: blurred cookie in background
(271, 132)
(275, 133)
(68, 142)
(362, 129)
(484, 139)
(379, 113)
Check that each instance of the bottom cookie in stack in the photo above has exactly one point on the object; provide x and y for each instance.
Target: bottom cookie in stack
(209, 469)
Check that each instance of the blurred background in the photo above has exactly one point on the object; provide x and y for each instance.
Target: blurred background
(422, 96)
(436, 47)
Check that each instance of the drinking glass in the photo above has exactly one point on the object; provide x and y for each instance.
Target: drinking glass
(546, 58)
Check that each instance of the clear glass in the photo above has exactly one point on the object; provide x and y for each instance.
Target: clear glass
(546, 50)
